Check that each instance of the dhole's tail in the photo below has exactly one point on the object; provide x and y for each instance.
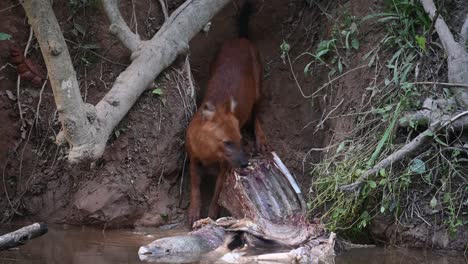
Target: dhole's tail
(246, 10)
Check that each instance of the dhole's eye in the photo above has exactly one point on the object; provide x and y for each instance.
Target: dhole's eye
(228, 143)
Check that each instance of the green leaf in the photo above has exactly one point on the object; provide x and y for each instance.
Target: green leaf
(385, 137)
(387, 19)
(355, 44)
(90, 46)
(374, 15)
(341, 147)
(433, 202)
(421, 41)
(417, 166)
(372, 184)
(446, 198)
(321, 53)
(382, 209)
(164, 217)
(429, 133)
(306, 69)
(157, 91)
(437, 139)
(428, 178)
(79, 28)
(382, 172)
(340, 66)
(371, 61)
(4, 36)
(284, 47)
(348, 33)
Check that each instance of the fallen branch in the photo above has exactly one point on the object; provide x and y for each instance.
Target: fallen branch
(417, 145)
(22, 236)
(85, 127)
(464, 85)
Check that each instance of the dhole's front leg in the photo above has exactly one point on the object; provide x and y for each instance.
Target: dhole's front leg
(195, 199)
(260, 138)
(213, 210)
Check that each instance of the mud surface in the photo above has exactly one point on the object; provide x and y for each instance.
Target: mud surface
(142, 179)
(138, 180)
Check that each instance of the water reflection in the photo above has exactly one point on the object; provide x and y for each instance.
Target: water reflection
(84, 246)
(73, 245)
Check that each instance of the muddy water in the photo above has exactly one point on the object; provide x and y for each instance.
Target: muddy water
(73, 245)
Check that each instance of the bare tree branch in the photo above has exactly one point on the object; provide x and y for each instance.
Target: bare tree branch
(153, 57)
(164, 9)
(457, 56)
(118, 26)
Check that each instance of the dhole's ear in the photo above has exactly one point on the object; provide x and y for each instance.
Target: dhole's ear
(231, 105)
(208, 110)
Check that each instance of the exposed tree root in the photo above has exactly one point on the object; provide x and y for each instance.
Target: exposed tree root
(417, 145)
(86, 127)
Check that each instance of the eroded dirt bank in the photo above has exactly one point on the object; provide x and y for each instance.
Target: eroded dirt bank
(141, 179)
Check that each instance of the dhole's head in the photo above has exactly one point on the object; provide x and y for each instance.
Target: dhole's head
(220, 133)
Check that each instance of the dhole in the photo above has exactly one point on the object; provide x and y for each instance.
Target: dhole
(231, 98)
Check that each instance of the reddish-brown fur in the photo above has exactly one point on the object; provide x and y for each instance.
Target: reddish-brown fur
(213, 136)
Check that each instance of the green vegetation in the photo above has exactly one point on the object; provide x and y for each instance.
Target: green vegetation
(402, 190)
(76, 5)
(333, 52)
(4, 36)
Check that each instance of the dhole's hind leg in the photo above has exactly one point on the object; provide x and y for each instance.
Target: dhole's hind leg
(213, 210)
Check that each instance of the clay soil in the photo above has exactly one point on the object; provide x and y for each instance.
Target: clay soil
(142, 178)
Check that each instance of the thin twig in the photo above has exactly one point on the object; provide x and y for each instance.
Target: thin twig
(329, 113)
(324, 85)
(26, 50)
(97, 54)
(134, 17)
(182, 176)
(10, 7)
(442, 83)
(39, 103)
(164, 9)
(85, 97)
(100, 78)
